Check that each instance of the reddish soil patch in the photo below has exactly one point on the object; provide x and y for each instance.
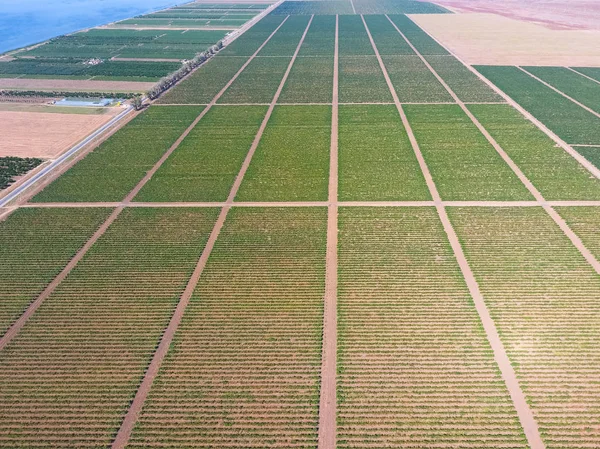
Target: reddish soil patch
(556, 14)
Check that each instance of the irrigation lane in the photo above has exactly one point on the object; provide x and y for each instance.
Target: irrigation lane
(560, 92)
(582, 74)
(561, 143)
(129, 421)
(61, 159)
(575, 240)
(327, 430)
(509, 376)
(20, 322)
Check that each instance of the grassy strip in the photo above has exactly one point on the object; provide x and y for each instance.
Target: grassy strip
(545, 300)
(551, 170)
(576, 86)
(310, 81)
(86, 349)
(35, 245)
(320, 39)
(205, 165)
(387, 39)
(286, 40)
(353, 38)
(592, 72)
(466, 85)
(376, 160)
(419, 38)
(258, 82)
(413, 81)
(361, 80)
(414, 365)
(291, 162)
(247, 356)
(570, 122)
(397, 7)
(462, 162)
(114, 168)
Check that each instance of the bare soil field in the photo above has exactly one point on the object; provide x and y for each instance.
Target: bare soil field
(45, 135)
(557, 14)
(485, 38)
(74, 85)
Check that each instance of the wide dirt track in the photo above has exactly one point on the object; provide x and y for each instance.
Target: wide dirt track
(334, 234)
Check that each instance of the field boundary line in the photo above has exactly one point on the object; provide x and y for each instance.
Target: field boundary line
(560, 142)
(558, 91)
(327, 430)
(575, 240)
(582, 74)
(18, 324)
(131, 417)
(524, 412)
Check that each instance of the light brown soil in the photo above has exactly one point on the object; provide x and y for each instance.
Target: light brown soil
(483, 38)
(74, 85)
(45, 135)
(557, 14)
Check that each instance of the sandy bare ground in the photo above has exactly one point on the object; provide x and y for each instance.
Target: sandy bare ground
(74, 85)
(509, 376)
(484, 38)
(558, 14)
(128, 424)
(45, 135)
(328, 394)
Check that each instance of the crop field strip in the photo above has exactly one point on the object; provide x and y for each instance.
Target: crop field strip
(258, 307)
(524, 413)
(77, 362)
(410, 377)
(546, 309)
(131, 418)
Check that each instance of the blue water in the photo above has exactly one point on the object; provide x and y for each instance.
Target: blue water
(26, 22)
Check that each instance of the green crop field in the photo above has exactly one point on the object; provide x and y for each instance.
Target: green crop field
(463, 164)
(109, 314)
(569, 121)
(248, 354)
(376, 161)
(205, 165)
(292, 161)
(359, 244)
(111, 171)
(414, 365)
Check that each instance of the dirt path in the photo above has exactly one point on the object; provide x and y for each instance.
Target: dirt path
(20, 322)
(581, 105)
(328, 394)
(575, 240)
(509, 376)
(137, 404)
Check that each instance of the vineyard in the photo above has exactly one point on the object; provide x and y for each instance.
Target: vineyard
(332, 234)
